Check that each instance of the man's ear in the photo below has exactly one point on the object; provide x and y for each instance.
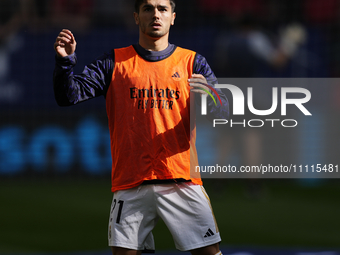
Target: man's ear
(173, 18)
(136, 16)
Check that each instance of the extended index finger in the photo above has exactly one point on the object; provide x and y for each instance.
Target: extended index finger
(195, 75)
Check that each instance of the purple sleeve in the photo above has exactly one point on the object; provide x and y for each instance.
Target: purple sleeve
(70, 89)
(201, 66)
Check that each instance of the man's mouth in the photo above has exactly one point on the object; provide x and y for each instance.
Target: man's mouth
(156, 25)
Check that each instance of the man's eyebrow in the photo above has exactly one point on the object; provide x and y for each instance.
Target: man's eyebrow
(158, 6)
(147, 6)
(163, 6)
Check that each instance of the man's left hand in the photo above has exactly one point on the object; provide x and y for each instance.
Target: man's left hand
(197, 83)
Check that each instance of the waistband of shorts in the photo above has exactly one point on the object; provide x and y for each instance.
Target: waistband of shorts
(167, 181)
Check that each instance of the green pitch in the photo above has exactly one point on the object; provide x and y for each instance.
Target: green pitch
(66, 216)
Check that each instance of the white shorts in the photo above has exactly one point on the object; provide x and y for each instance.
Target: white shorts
(184, 207)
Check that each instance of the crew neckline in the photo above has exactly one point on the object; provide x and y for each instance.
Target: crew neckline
(154, 55)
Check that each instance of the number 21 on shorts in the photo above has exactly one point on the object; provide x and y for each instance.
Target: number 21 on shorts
(120, 208)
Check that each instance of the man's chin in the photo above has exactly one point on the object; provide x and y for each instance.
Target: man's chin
(156, 35)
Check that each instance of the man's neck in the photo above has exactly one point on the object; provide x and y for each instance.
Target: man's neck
(154, 44)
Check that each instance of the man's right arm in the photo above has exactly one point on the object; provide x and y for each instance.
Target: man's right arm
(94, 81)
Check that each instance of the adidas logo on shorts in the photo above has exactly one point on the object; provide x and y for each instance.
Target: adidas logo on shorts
(209, 233)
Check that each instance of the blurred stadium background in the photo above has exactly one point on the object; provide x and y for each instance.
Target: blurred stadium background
(55, 162)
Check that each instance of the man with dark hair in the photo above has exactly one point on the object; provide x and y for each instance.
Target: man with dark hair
(148, 87)
(138, 3)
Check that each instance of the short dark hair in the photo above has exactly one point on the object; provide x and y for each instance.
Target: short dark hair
(138, 3)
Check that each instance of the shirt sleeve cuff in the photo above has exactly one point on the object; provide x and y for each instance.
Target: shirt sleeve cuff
(67, 61)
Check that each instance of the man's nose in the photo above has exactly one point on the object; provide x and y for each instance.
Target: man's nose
(156, 13)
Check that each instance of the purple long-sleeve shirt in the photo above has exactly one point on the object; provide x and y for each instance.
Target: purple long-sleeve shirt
(96, 77)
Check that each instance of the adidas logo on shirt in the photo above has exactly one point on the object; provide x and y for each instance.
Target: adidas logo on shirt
(176, 75)
(209, 233)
